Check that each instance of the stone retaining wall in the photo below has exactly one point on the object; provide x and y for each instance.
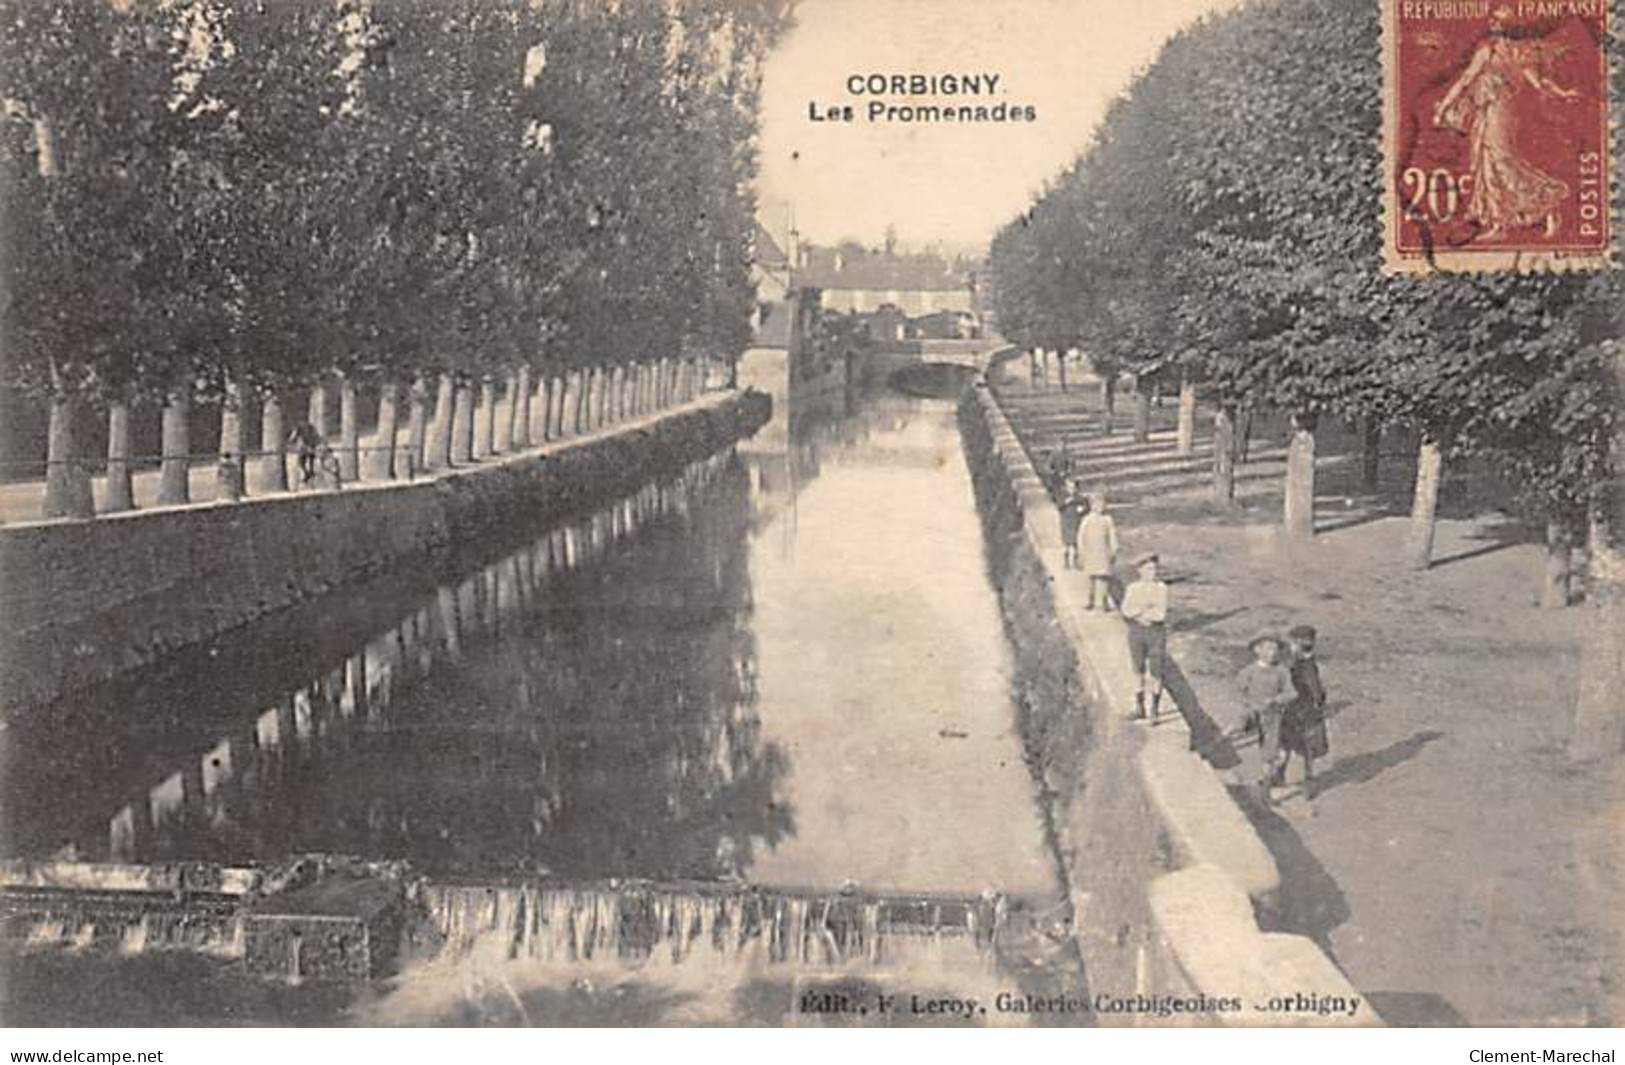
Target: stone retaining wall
(87, 600)
(1172, 890)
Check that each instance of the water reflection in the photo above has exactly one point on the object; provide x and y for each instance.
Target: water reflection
(784, 665)
(584, 706)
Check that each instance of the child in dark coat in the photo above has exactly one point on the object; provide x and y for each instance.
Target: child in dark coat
(1303, 728)
(1073, 507)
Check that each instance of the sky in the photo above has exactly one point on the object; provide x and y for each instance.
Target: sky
(941, 184)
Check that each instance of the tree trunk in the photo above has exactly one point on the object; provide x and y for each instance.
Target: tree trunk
(524, 435)
(1032, 367)
(1554, 589)
(349, 432)
(231, 465)
(1425, 503)
(485, 425)
(438, 454)
(1108, 400)
(1185, 441)
(1244, 439)
(1142, 413)
(1299, 505)
(1370, 452)
(1060, 368)
(519, 409)
(581, 402)
(120, 490)
(273, 464)
(380, 462)
(1599, 711)
(68, 492)
(417, 428)
(549, 387)
(1224, 457)
(316, 407)
(462, 413)
(175, 475)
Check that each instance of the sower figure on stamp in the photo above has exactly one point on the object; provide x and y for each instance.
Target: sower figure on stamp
(1266, 692)
(1303, 729)
(1509, 189)
(1145, 608)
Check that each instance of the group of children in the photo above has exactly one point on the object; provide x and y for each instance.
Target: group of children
(1286, 706)
(1281, 688)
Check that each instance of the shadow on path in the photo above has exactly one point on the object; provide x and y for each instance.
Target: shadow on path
(1207, 737)
(1359, 768)
(1311, 902)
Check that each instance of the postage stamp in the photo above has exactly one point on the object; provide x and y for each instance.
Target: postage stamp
(1496, 134)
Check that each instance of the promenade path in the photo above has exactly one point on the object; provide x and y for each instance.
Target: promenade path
(1453, 864)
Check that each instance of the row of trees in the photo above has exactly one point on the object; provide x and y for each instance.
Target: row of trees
(228, 200)
(1223, 230)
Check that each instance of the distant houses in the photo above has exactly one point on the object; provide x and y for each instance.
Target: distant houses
(854, 278)
(901, 295)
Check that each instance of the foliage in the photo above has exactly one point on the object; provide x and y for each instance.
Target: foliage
(1224, 222)
(268, 190)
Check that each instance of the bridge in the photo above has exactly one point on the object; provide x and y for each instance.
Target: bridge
(972, 355)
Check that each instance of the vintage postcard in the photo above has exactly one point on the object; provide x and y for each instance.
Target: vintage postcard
(811, 513)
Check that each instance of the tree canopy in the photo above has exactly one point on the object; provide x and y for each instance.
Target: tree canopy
(267, 190)
(1225, 223)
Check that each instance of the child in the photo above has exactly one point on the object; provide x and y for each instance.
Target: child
(1073, 507)
(1061, 468)
(1303, 729)
(1145, 608)
(1266, 692)
(307, 438)
(1099, 535)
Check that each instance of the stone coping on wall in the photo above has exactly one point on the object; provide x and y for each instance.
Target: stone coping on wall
(422, 479)
(1207, 913)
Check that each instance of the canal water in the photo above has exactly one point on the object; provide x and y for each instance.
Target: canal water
(776, 680)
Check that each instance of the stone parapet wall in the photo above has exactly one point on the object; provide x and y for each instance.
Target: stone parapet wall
(87, 600)
(1173, 892)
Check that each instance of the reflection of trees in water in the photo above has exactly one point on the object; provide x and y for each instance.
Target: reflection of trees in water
(585, 706)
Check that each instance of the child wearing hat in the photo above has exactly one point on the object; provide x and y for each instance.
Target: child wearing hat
(1266, 692)
(1303, 728)
(1145, 609)
(1099, 545)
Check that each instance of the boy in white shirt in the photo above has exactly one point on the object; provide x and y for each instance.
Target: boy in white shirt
(1145, 608)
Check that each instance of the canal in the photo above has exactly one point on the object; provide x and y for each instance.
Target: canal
(782, 668)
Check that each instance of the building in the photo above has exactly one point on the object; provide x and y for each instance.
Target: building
(854, 278)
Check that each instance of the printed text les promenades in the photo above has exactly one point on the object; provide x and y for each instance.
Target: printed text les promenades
(958, 98)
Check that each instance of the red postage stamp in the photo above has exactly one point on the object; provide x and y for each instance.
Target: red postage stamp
(1496, 134)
